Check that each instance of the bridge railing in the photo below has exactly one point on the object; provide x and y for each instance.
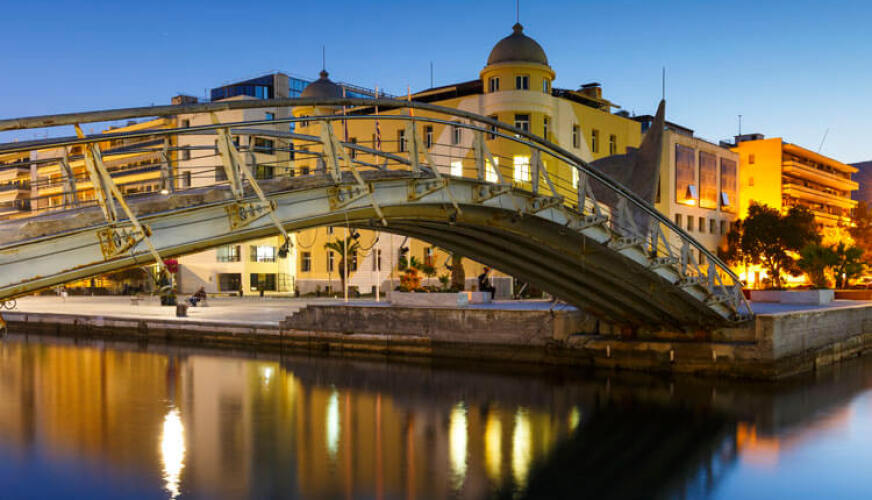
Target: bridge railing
(555, 174)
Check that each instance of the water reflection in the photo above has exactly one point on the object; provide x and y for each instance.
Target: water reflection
(337, 428)
(172, 448)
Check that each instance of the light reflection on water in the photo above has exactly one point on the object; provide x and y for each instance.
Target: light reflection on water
(93, 421)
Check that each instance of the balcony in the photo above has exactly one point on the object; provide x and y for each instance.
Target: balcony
(815, 195)
(15, 186)
(813, 174)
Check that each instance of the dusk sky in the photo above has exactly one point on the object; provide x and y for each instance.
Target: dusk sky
(792, 69)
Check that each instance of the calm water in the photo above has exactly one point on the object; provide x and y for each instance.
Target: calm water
(101, 421)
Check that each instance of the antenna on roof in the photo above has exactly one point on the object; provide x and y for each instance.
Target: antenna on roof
(518, 11)
(663, 84)
(431, 74)
(740, 124)
(822, 141)
(323, 58)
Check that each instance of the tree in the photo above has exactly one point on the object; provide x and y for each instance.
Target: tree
(771, 239)
(458, 275)
(849, 264)
(815, 259)
(861, 231)
(339, 246)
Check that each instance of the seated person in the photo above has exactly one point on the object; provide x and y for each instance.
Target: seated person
(199, 296)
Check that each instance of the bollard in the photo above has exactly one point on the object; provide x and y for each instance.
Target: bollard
(181, 310)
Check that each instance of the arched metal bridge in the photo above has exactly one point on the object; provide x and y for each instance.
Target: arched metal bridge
(581, 236)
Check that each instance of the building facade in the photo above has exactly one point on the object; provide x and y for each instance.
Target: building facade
(14, 184)
(783, 175)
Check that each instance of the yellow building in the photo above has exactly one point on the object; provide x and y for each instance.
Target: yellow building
(14, 184)
(783, 175)
(514, 87)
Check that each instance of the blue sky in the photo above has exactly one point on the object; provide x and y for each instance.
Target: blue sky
(791, 68)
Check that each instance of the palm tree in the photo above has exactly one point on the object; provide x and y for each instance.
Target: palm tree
(815, 259)
(339, 247)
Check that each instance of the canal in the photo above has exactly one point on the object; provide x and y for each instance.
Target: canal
(103, 420)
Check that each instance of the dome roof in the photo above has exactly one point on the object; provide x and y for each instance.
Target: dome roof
(322, 87)
(517, 47)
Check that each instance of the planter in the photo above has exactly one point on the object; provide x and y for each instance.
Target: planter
(854, 294)
(815, 297)
(457, 299)
(765, 295)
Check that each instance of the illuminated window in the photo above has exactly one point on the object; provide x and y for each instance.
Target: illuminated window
(262, 253)
(522, 82)
(522, 168)
(457, 168)
(594, 141)
(490, 173)
(576, 136)
(685, 186)
(575, 177)
(708, 180)
(493, 84)
(728, 185)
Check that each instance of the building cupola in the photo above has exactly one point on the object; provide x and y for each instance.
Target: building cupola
(517, 48)
(322, 88)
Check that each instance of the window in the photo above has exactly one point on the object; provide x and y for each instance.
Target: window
(262, 281)
(329, 229)
(701, 224)
(613, 144)
(401, 140)
(329, 261)
(522, 121)
(752, 159)
(708, 180)
(305, 262)
(522, 82)
(186, 178)
(352, 259)
(522, 168)
(723, 227)
(546, 86)
(713, 226)
(376, 259)
(576, 136)
(594, 141)
(493, 84)
(689, 223)
(685, 186)
(227, 253)
(428, 256)
(264, 172)
(269, 115)
(353, 151)
(490, 173)
(304, 170)
(266, 146)
(186, 123)
(456, 134)
(457, 168)
(728, 185)
(229, 282)
(575, 177)
(428, 136)
(303, 121)
(678, 220)
(545, 128)
(186, 154)
(261, 253)
(220, 174)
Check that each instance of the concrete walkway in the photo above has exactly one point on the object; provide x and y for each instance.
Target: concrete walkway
(234, 310)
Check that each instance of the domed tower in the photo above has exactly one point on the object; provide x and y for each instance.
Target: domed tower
(517, 62)
(322, 88)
